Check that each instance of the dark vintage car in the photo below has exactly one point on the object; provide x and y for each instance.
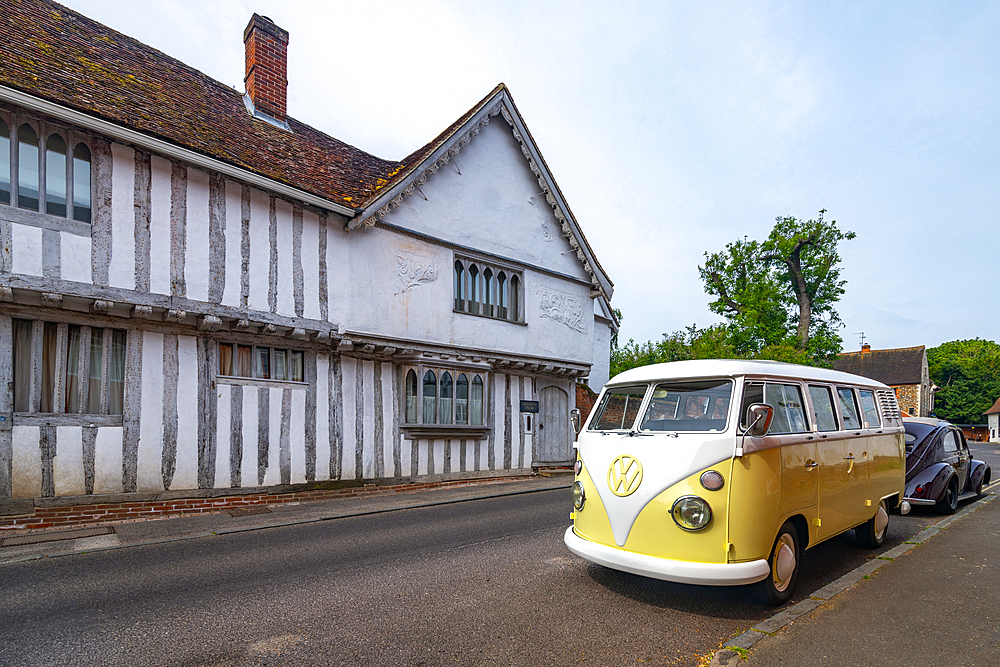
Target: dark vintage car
(940, 470)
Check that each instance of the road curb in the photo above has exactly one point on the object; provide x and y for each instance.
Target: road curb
(730, 655)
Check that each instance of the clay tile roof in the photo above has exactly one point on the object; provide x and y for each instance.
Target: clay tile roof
(54, 53)
(893, 367)
(995, 409)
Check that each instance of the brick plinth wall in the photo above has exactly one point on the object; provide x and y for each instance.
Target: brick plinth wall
(66, 516)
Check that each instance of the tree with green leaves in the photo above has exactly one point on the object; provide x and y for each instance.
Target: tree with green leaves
(967, 373)
(783, 291)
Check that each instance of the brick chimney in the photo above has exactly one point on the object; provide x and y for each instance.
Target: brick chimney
(267, 66)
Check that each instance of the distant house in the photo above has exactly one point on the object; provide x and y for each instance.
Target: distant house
(904, 369)
(993, 417)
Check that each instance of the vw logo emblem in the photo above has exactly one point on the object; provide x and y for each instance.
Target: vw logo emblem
(624, 475)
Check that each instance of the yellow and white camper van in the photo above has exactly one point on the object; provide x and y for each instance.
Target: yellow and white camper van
(723, 472)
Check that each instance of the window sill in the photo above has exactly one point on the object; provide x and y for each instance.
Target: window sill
(489, 317)
(257, 382)
(445, 431)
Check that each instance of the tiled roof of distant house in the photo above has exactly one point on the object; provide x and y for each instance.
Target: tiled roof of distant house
(995, 409)
(58, 55)
(893, 367)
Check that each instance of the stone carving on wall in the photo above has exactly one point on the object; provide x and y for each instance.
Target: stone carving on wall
(564, 308)
(413, 271)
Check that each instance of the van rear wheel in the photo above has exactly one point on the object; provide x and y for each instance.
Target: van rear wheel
(784, 563)
(872, 533)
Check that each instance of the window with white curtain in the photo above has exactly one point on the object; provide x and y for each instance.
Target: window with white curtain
(88, 363)
(258, 362)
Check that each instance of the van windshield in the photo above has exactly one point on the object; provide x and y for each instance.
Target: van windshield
(618, 408)
(689, 406)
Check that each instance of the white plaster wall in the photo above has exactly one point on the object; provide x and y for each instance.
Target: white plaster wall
(108, 460)
(339, 251)
(159, 225)
(223, 431)
(348, 464)
(286, 284)
(387, 429)
(273, 474)
(323, 417)
(149, 474)
(601, 367)
(248, 473)
(74, 252)
(186, 468)
(234, 243)
(368, 417)
(67, 465)
(310, 264)
(494, 205)
(424, 311)
(121, 272)
(26, 479)
(297, 437)
(260, 250)
(196, 254)
(26, 250)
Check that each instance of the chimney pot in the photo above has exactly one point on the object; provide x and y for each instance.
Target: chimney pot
(267, 66)
(866, 348)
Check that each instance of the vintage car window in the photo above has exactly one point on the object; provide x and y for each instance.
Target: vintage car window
(915, 432)
(618, 408)
(789, 410)
(870, 408)
(822, 402)
(950, 442)
(848, 408)
(689, 406)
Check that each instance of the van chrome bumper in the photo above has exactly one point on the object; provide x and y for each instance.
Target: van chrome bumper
(680, 571)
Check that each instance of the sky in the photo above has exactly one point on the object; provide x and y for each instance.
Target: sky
(673, 128)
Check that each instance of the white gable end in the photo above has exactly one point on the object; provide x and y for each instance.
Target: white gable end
(487, 199)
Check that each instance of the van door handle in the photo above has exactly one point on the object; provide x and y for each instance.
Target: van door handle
(811, 465)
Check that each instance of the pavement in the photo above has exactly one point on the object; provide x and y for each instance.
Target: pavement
(929, 601)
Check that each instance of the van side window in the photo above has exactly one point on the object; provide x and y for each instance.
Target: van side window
(789, 411)
(848, 408)
(869, 408)
(822, 402)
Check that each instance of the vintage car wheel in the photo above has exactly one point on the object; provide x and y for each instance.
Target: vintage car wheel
(784, 562)
(949, 502)
(979, 490)
(872, 533)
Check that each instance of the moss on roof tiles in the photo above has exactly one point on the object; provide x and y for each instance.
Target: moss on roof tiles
(61, 56)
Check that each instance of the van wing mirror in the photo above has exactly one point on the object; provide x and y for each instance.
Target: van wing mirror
(574, 417)
(759, 415)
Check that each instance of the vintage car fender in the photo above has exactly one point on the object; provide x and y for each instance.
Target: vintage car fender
(981, 474)
(934, 481)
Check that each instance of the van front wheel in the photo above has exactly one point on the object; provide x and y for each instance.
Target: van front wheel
(784, 562)
(872, 533)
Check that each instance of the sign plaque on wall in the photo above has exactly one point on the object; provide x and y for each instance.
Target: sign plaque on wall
(529, 406)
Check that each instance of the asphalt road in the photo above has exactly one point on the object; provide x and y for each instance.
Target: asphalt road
(474, 583)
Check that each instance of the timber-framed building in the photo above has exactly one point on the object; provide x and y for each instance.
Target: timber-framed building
(199, 293)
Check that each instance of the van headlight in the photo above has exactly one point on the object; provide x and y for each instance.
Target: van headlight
(691, 513)
(579, 497)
